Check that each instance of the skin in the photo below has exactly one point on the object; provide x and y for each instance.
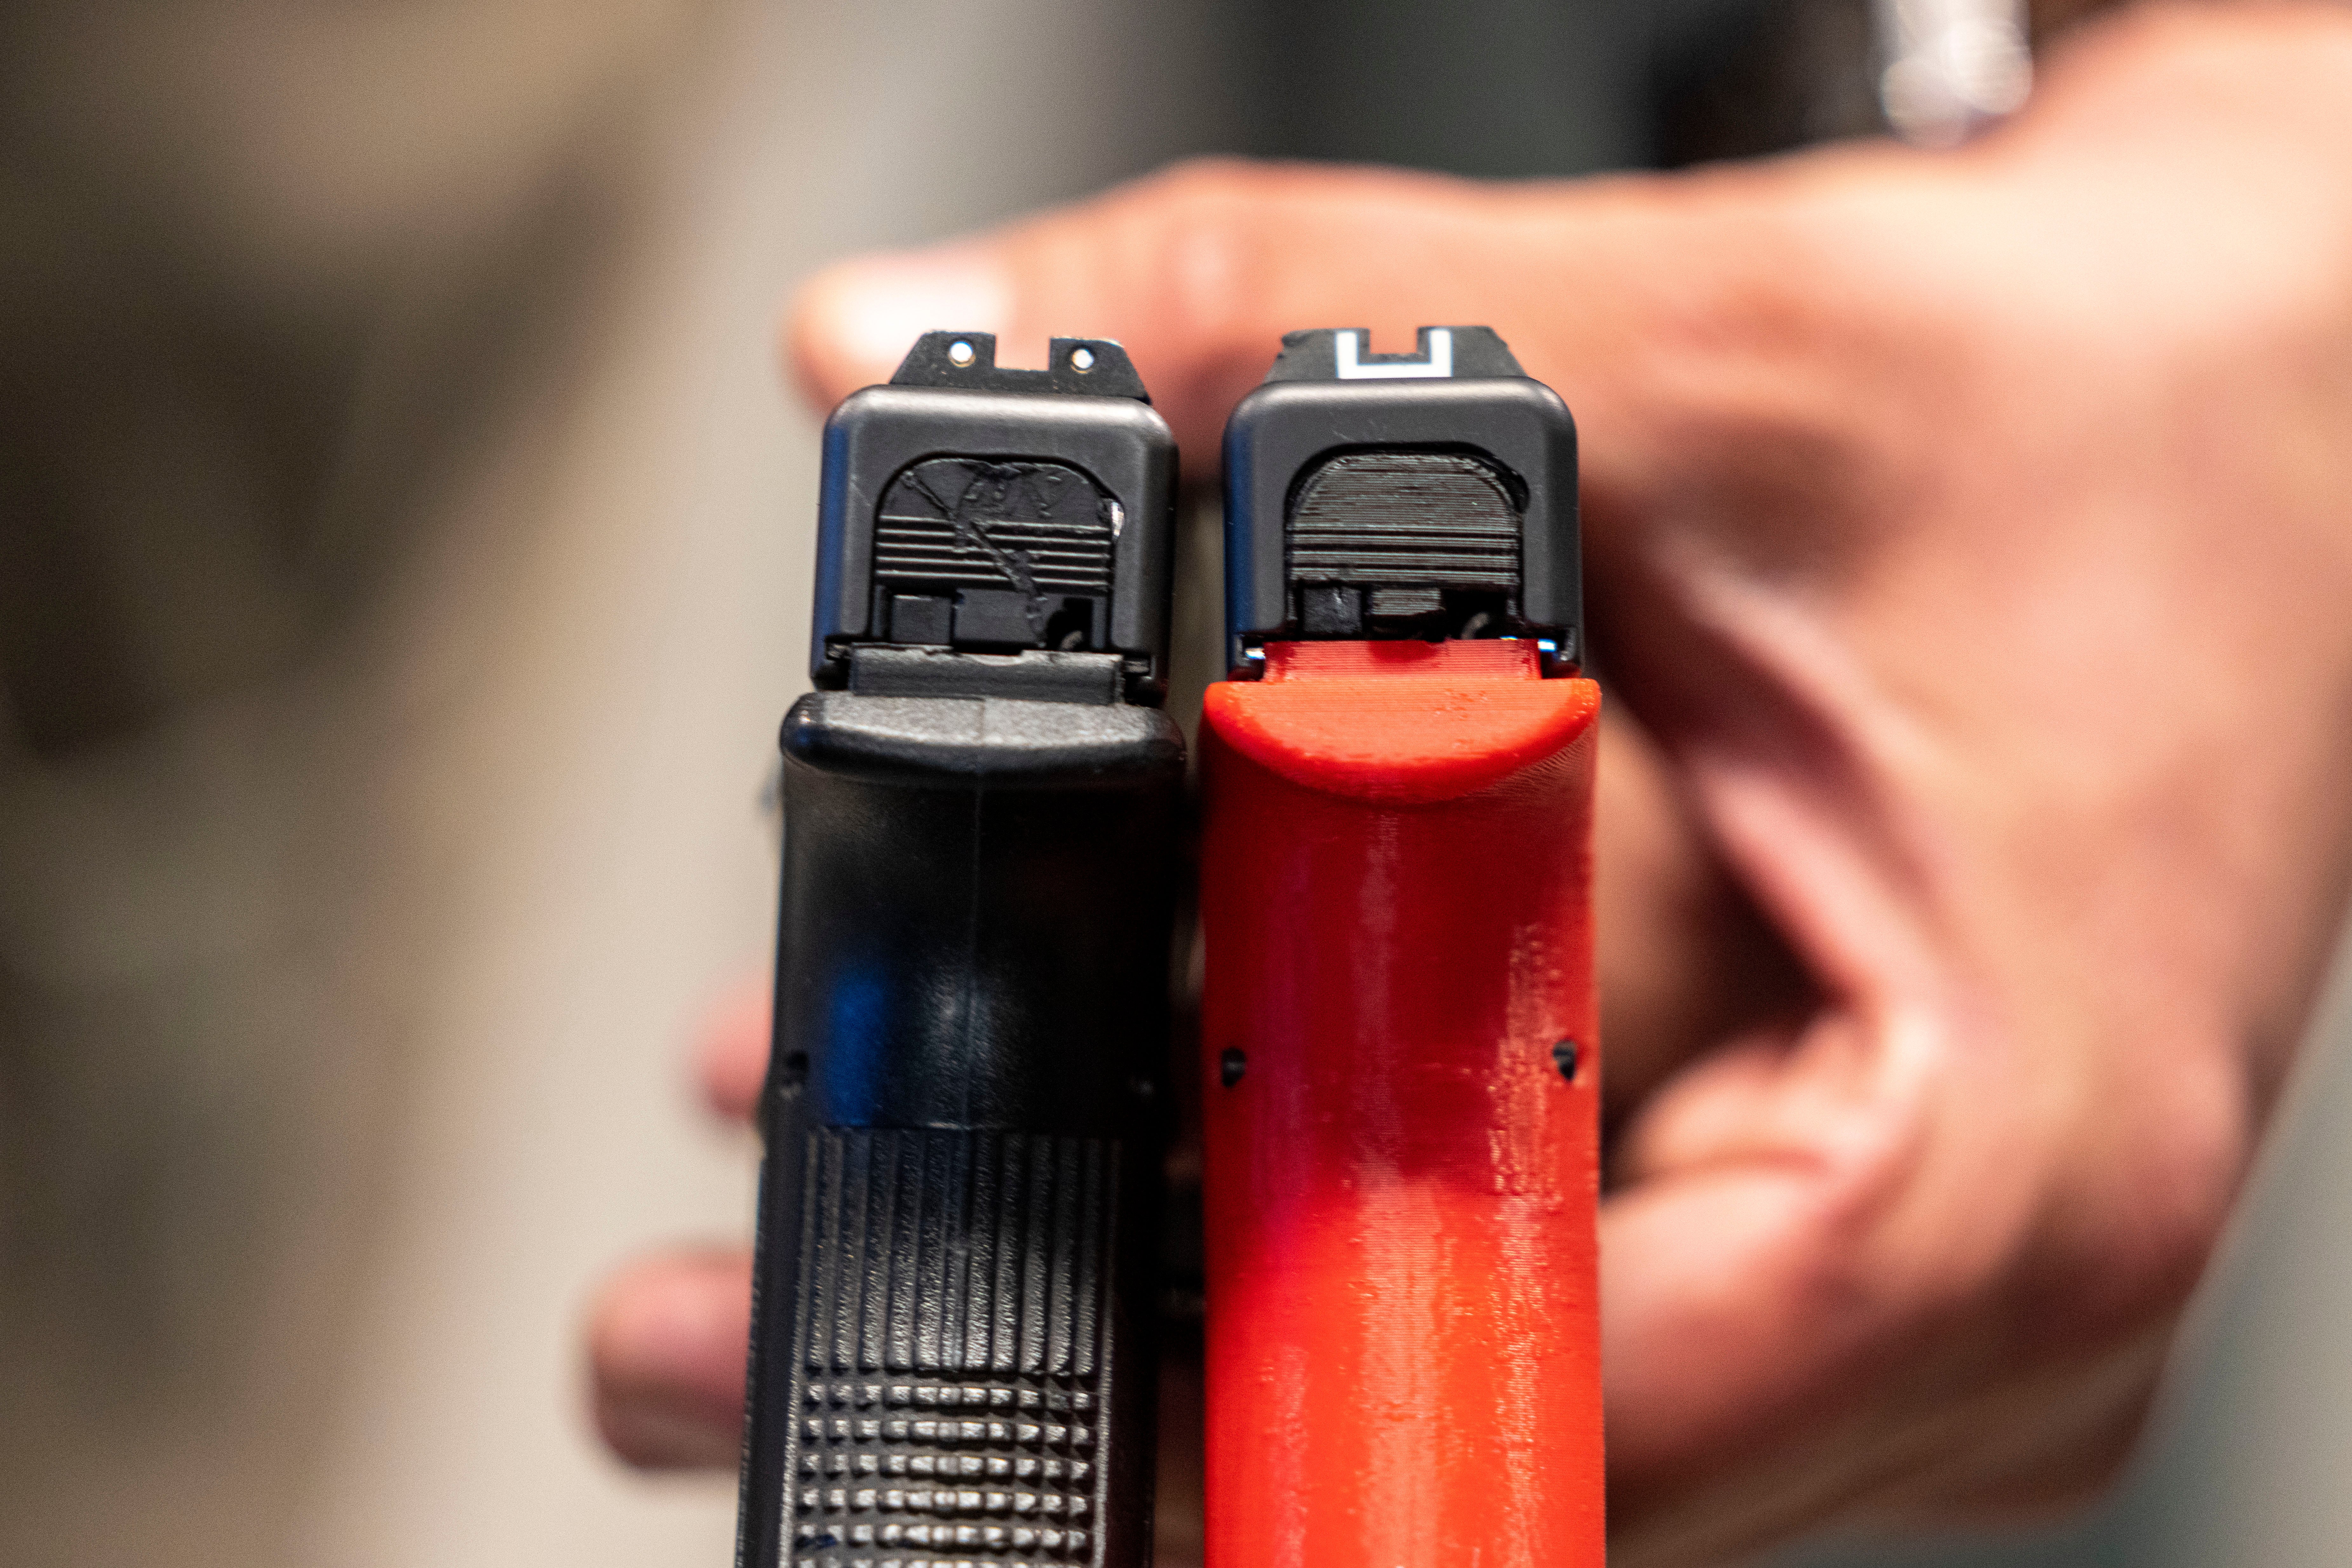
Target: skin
(1970, 541)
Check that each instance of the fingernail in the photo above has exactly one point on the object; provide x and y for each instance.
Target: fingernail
(859, 320)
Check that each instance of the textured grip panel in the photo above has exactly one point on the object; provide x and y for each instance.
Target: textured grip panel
(949, 1349)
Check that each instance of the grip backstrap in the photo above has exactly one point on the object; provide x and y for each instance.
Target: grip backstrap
(952, 1340)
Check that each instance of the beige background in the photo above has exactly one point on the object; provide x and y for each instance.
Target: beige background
(348, 948)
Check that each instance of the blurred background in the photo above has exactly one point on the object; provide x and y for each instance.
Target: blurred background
(404, 551)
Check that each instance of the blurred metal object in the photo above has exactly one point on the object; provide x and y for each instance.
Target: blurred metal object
(1952, 66)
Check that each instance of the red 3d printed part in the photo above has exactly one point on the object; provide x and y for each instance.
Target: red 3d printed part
(1401, 1110)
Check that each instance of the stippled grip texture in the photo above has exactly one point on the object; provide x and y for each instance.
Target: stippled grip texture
(951, 1340)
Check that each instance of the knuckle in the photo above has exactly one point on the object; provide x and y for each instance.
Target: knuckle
(1208, 227)
(1198, 240)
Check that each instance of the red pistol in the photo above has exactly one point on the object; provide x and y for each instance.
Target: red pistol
(1398, 1025)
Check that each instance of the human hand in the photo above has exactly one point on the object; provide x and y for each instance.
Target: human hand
(1969, 536)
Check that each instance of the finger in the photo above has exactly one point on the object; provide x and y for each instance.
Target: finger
(731, 1058)
(1764, 1287)
(1834, 1301)
(1683, 960)
(1200, 271)
(1757, 1288)
(665, 1349)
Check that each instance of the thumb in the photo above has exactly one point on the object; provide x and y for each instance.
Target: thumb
(1200, 270)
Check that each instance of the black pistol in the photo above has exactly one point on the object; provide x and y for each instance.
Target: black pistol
(951, 1357)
